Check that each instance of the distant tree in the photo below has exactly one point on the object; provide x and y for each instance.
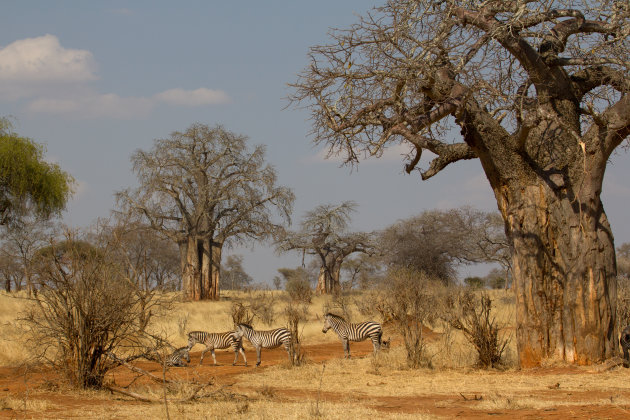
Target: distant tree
(537, 90)
(22, 242)
(204, 189)
(497, 279)
(149, 258)
(324, 234)
(360, 271)
(297, 284)
(28, 184)
(623, 260)
(10, 272)
(474, 282)
(234, 275)
(435, 241)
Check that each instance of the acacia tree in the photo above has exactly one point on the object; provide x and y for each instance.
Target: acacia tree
(28, 184)
(324, 234)
(204, 188)
(538, 91)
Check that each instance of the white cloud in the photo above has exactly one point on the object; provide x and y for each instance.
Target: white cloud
(56, 80)
(197, 97)
(43, 59)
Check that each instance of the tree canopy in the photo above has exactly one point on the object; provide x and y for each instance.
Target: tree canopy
(27, 182)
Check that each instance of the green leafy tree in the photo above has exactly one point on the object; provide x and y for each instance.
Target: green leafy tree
(28, 184)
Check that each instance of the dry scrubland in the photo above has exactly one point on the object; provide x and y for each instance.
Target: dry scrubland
(327, 386)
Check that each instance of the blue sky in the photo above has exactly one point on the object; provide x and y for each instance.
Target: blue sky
(94, 81)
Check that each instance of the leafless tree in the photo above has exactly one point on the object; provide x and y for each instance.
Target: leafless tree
(435, 241)
(204, 189)
(324, 234)
(538, 92)
(23, 240)
(87, 310)
(234, 275)
(10, 271)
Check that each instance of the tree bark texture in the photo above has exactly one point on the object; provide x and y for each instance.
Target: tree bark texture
(201, 262)
(564, 278)
(328, 279)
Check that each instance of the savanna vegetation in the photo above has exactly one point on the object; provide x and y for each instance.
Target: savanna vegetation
(91, 318)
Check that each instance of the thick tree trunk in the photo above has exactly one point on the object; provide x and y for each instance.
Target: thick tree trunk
(564, 274)
(191, 272)
(215, 271)
(328, 279)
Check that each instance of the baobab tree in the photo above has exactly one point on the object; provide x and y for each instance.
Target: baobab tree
(204, 188)
(324, 234)
(538, 92)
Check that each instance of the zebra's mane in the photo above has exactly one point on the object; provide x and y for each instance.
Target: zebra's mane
(330, 314)
(246, 325)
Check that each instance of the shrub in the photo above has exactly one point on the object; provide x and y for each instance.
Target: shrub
(471, 314)
(86, 310)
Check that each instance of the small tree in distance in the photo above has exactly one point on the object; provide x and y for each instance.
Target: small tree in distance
(324, 235)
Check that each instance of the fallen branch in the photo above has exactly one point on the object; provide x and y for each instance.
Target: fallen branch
(474, 398)
(137, 369)
(194, 395)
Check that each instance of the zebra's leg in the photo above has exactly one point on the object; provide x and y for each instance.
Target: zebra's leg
(346, 348)
(243, 354)
(203, 353)
(235, 357)
(376, 343)
(214, 357)
(258, 349)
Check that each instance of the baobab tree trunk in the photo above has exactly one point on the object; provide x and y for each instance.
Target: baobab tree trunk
(328, 279)
(190, 259)
(564, 273)
(215, 271)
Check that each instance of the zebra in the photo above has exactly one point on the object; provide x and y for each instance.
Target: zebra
(354, 332)
(624, 340)
(175, 358)
(265, 339)
(217, 341)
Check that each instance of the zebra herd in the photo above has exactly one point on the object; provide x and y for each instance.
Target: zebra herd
(275, 338)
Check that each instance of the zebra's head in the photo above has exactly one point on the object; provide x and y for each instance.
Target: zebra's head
(241, 330)
(327, 321)
(187, 354)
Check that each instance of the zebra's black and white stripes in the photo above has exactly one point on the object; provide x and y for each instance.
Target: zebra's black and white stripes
(353, 332)
(177, 357)
(265, 339)
(624, 340)
(217, 341)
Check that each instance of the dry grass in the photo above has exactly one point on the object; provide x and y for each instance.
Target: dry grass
(359, 385)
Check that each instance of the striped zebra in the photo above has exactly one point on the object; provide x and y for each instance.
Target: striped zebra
(217, 341)
(624, 340)
(177, 357)
(353, 332)
(265, 339)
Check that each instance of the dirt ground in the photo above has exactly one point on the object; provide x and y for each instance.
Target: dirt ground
(41, 385)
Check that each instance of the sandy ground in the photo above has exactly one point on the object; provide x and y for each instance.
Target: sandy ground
(40, 385)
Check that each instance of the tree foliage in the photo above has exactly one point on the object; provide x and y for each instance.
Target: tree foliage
(27, 182)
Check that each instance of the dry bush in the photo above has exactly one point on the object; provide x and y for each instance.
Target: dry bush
(411, 300)
(298, 287)
(86, 308)
(471, 314)
(255, 304)
(296, 313)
